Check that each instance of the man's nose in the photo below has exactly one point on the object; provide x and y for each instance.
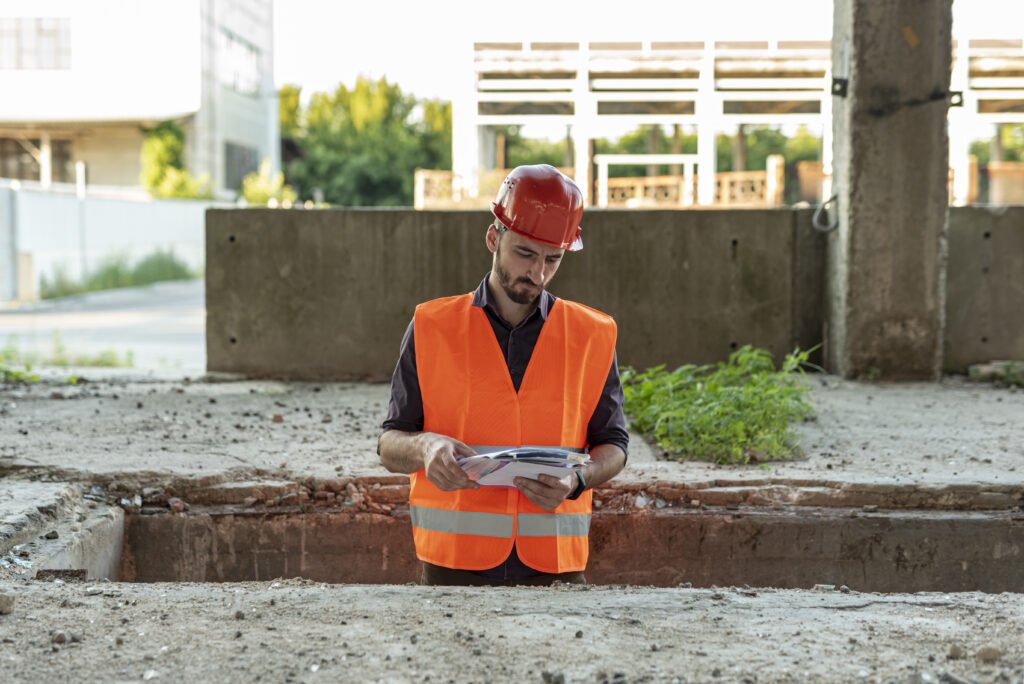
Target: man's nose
(539, 270)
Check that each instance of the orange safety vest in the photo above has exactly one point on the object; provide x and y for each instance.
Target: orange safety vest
(468, 394)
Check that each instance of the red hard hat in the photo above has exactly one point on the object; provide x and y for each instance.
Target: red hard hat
(541, 203)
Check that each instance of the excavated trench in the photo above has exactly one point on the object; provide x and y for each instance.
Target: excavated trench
(359, 532)
(794, 547)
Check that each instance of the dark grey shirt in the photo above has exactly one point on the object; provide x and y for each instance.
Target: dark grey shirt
(607, 425)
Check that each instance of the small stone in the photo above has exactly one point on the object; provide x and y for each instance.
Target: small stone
(277, 418)
(150, 674)
(6, 604)
(52, 534)
(655, 647)
(476, 652)
(176, 504)
(413, 639)
(845, 589)
(239, 615)
(717, 672)
(119, 641)
(989, 654)
(552, 677)
(955, 652)
(59, 637)
(579, 633)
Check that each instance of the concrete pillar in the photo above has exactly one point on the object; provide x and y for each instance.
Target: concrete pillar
(886, 264)
(581, 163)
(45, 161)
(709, 109)
(465, 146)
(960, 117)
(8, 245)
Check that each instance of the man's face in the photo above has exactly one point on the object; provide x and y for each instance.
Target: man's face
(524, 267)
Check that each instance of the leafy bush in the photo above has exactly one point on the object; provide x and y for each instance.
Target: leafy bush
(115, 271)
(259, 187)
(163, 164)
(159, 266)
(60, 284)
(736, 412)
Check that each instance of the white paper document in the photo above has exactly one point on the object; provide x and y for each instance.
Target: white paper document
(500, 468)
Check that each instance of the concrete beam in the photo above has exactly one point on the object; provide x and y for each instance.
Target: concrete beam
(891, 149)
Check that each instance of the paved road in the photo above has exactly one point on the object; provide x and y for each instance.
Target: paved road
(162, 325)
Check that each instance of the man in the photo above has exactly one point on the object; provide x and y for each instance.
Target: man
(507, 365)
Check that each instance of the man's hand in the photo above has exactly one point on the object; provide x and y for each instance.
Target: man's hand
(440, 464)
(547, 491)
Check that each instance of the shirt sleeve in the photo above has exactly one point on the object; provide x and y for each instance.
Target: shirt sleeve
(405, 408)
(608, 423)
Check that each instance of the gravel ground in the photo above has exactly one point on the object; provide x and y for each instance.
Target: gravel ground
(300, 631)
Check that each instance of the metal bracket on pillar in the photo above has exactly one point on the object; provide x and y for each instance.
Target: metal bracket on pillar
(824, 220)
(956, 98)
(840, 86)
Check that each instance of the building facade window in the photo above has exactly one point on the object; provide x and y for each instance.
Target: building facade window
(35, 43)
(239, 162)
(16, 161)
(238, 63)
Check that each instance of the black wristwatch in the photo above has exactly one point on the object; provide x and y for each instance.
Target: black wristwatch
(581, 484)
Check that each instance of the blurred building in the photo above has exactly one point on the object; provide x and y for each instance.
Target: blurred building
(82, 79)
(714, 86)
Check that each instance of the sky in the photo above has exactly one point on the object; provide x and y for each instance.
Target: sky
(427, 47)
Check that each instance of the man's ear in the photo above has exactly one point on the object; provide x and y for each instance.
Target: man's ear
(491, 239)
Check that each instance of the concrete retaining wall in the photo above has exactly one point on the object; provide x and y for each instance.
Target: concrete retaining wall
(985, 286)
(327, 294)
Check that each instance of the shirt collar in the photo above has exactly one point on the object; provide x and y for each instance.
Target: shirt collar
(482, 298)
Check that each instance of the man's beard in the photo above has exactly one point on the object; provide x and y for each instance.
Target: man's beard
(505, 280)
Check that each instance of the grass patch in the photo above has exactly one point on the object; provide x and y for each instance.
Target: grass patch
(11, 356)
(735, 412)
(116, 271)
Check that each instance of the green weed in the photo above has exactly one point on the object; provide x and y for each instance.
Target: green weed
(116, 271)
(737, 412)
(11, 356)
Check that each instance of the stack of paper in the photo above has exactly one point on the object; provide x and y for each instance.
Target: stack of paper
(500, 468)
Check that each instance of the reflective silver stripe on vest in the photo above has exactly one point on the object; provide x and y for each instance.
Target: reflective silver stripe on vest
(461, 522)
(554, 524)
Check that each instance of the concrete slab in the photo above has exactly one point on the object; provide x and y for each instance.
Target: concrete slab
(303, 631)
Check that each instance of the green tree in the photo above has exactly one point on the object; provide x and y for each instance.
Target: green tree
(361, 146)
(289, 110)
(259, 187)
(162, 149)
(1011, 140)
(163, 164)
(638, 142)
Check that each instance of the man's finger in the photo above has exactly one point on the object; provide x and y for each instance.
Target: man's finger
(457, 474)
(461, 449)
